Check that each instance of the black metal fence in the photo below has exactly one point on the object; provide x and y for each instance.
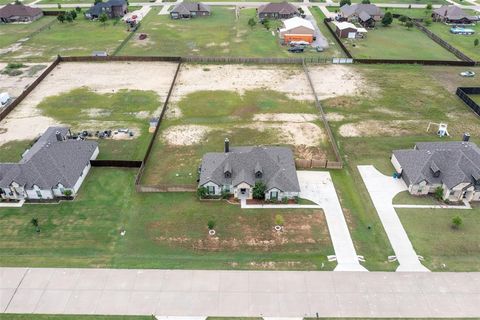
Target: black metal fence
(116, 163)
(464, 94)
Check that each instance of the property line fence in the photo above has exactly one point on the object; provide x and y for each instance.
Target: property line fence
(464, 92)
(317, 164)
(167, 188)
(116, 163)
(242, 60)
(334, 34)
(120, 59)
(125, 41)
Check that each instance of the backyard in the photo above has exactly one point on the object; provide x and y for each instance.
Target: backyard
(464, 43)
(163, 230)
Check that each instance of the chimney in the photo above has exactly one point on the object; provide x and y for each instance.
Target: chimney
(227, 145)
(59, 136)
(466, 137)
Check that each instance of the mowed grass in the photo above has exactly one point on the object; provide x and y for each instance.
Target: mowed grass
(220, 34)
(13, 150)
(413, 96)
(83, 109)
(163, 230)
(396, 42)
(12, 32)
(464, 43)
(80, 37)
(68, 317)
(224, 114)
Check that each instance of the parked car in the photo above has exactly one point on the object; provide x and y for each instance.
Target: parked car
(296, 49)
(467, 74)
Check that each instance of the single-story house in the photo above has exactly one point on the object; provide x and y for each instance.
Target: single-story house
(54, 166)
(297, 29)
(349, 30)
(452, 166)
(113, 9)
(186, 10)
(19, 13)
(282, 10)
(236, 170)
(365, 14)
(453, 14)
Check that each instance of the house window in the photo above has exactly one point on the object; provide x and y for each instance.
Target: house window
(274, 195)
(226, 189)
(211, 189)
(39, 193)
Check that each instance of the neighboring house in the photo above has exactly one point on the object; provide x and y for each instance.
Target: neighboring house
(452, 14)
(186, 10)
(297, 29)
(236, 170)
(453, 166)
(365, 14)
(113, 9)
(19, 13)
(53, 165)
(282, 10)
(349, 30)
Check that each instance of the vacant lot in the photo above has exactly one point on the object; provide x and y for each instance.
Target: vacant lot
(110, 100)
(221, 34)
(80, 37)
(163, 230)
(250, 105)
(396, 42)
(464, 43)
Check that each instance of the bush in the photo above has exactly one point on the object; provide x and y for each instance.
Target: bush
(284, 200)
(202, 192)
(344, 2)
(211, 224)
(252, 22)
(296, 199)
(14, 65)
(34, 222)
(279, 221)
(12, 72)
(403, 19)
(427, 21)
(225, 194)
(259, 191)
(387, 19)
(476, 42)
(409, 24)
(429, 6)
(456, 222)
(438, 194)
(67, 193)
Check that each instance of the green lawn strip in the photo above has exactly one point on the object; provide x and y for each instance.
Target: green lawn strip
(396, 42)
(334, 49)
(83, 109)
(406, 198)
(411, 13)
(464, 43)
(80, 37)
(443, 247)
(163, 230)
(13, 150)
(12, 32)
(69, 317)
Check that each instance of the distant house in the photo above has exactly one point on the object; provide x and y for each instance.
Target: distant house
(365, 14)
(282, 10)
(113, 9)
(236, 170)
(297, 29)
(19, 13)
(452, 14)
(349, 30)
(54, 166)
(453, 166)
(187, 10)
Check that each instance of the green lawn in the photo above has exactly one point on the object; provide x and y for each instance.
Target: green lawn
(107, 112)
(81, 37)
(443, 247)
(397, 42)
(463, 43)
(476, 98)
(12, 32)
(68, 317)
(223, 114)
(411, 13)
(406, 198)
(12, 151)
(163, 230)
(220, 34)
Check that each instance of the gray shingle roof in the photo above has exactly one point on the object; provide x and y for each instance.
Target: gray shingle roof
(450, 12)
(281, 8)
(98, 8)
(187, 7)
(12, 10)
(49, 162)
(277, 164)
(458, 162)
(357, 9)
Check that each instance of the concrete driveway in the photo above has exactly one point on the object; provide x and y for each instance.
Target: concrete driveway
(382, 190)
(320, 40)
(317, 186)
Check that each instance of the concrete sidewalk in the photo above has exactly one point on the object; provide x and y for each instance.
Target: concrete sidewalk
(239, 293)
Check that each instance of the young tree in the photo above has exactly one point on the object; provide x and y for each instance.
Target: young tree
(438, 193)
(61, 18)
(211, 224)
(252, 22)
(259, 190)
(409, 24)
(456, 222)
(387, 19)
(344, 2)
(103, 19)
(279, 221)
(403, 19)
(476, 42)
(429, 6)
(59, 6)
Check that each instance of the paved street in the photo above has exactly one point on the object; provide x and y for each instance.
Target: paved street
(239, 293)
(382, 189)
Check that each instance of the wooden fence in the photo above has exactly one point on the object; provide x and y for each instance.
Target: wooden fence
(464, 92)
(317, 164)
(241, 60)
(334, 34)
(119, 59)
(116, 163)
(167, 188)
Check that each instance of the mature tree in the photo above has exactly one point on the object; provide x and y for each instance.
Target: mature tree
(259, 190)
(387, 19)
(344, 2)
(476, 42)
(409, 24)
(73, 13)
(103, 18)
(403, 19)
(252, 22)
(61, 17)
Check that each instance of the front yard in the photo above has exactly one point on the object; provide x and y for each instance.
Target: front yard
(163, 230)
(464, 43)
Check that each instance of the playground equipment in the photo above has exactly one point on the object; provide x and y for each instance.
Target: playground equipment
(442, 129)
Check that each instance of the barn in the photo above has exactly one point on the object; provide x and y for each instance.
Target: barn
(297, 29)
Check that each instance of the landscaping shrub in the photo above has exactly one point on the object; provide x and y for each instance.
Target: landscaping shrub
(211, 224)
(67, 193)
(284, 200)
(439, 194)
(279, 221)
(259, 190)
(202, 192)
(456, 222)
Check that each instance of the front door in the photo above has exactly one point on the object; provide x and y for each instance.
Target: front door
(244, 193)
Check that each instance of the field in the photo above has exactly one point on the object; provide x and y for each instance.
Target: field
(80, 37)
(68, 317)
(114, 98)
(221, 34)
(163, 230)
(250, 105)
(397, 42)
(463, 43)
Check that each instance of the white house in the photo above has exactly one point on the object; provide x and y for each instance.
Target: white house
(452, 166)
(54, 166)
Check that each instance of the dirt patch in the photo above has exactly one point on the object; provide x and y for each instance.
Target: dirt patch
(309, 152)
(285, 117)
(306, 133)
(380, 128)
(332, 116)
(185, 135)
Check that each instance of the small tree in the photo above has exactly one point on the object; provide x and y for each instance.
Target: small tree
(456, 222)
(403, 19)
(429, 6)
(73, 13)
(68, 17)
(34, 222)
(78, 9)
(202, 192)
(103, 18)
(259, 190)
(476, 42)
(409, 24)
(59, 6)
(438, 193)
(61, 18)
(252, 22)
(387, 19)
(409, 6)
(211, 224)
(427, 21)
(279, 221)
(344, 2)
